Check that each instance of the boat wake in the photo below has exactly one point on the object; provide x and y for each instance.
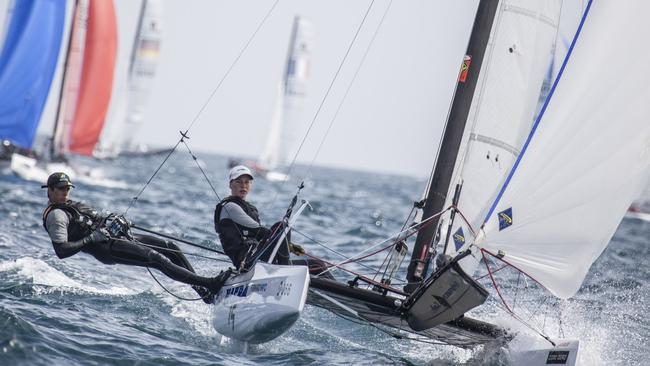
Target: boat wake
(41, 273)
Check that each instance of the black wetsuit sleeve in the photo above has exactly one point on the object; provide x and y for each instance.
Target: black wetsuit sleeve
(68, 248)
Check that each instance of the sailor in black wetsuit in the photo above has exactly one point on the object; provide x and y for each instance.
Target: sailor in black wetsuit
(238, 223)
(74, 227)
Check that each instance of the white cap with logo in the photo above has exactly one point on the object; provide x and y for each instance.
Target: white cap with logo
(238, 171)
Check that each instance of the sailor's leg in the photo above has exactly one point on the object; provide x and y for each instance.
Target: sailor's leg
(167, 248)
(133, 253)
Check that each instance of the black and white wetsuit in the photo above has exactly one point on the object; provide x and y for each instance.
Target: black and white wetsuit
(68, 224)
(238, 224)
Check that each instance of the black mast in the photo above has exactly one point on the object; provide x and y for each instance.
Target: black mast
(444, 165)
(73, 21)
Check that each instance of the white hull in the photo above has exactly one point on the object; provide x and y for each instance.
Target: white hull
(29, 169)
(273, 176)
(565, 352)
(260, 305)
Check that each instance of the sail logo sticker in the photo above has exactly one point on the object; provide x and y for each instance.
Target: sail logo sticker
(464, 68)
(505, 218)
(459, 238)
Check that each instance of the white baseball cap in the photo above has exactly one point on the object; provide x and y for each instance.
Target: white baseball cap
(238, 171)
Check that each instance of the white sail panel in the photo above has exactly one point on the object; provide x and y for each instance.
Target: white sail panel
(145, 58)
(285, 132)
(502, 109)
(128, 111)
(588, 157)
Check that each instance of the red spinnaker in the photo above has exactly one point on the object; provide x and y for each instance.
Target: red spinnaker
(96, 77)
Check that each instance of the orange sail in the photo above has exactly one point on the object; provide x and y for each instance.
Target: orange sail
(96, 77)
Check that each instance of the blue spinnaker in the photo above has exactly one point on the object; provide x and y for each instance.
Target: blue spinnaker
(27, 66)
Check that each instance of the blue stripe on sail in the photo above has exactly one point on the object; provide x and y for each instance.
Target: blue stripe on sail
(541, 114)
(27, 65)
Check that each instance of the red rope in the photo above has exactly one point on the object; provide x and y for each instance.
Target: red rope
(494, 283)
(369, 280)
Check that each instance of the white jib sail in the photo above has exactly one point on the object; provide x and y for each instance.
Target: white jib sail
(588, 157)
(285, 131)
(502, 110)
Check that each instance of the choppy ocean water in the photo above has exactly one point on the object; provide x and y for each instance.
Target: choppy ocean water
(80, 312)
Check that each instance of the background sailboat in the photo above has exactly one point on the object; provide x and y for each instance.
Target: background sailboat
(119, 137)
(85, 90)
(285, 129)
(27, 67)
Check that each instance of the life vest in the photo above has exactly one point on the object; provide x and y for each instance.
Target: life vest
(248, 208)
(237, 239)
(83, 219)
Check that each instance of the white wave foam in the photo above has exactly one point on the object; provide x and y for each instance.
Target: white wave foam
(576, 323)
(196, 313)
(43, 274)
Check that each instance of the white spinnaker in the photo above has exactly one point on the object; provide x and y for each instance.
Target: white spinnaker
(502, 109)
(587, 159)
(285, 131)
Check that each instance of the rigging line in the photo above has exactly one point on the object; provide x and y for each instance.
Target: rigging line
(232, 65)
(200, 112)
(202, 171)
(512, 313)
(347, 91)
(419, 226)
(170, 237)
(173, 294)
(360, 275)
(329, 89)
(329, 249)
(134, 199)
(153, 246)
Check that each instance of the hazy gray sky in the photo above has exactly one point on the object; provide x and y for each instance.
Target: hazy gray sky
(391, 120)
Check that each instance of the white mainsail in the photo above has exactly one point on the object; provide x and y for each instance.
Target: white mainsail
(284, 133)
(129, 110)
(586, 159)
(502, 110)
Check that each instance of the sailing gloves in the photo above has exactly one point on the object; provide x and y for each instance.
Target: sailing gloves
(296, 249)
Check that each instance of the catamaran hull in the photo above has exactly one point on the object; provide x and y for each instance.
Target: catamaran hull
(357, 303)
(260, 305)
